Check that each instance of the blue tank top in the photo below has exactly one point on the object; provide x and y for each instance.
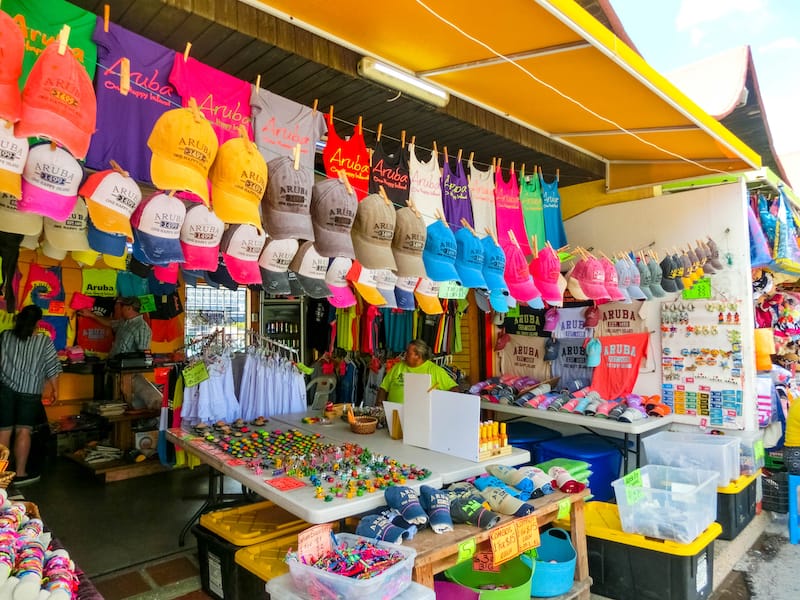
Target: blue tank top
(551, 207)
(455, 196)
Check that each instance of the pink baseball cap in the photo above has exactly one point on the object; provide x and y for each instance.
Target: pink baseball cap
(592, 279)
(518, 276)
(545, 269)
(166, 274)
(611, 282)
(12, 48)
(50, 182)
(201, 234)
(241, 246)
(550, 319)
(342, 295)
(573, 281)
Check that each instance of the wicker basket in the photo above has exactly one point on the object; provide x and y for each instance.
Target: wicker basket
(6, 477)
(364, 425)
(4, 454)
(31, 509)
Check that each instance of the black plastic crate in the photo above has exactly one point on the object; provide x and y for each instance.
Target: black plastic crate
(775, 486)
(220, 576)
(735, 511)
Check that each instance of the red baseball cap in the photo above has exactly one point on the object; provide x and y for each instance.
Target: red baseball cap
(12, 49)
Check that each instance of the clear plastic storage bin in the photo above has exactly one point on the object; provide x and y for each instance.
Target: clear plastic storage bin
(751, 451)
(316, 583)
(718, 453)
(667, 503)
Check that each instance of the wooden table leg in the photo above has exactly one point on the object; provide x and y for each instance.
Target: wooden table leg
(578, 526)
(423, 575)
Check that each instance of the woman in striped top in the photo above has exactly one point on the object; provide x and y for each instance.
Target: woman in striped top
(28, 365)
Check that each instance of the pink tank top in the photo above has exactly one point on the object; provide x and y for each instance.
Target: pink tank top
(509, 211)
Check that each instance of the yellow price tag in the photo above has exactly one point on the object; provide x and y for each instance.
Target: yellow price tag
(466, 550)
(504, 543)
(527, 533)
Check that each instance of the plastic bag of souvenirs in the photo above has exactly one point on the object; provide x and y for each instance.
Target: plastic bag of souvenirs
(785, 250)
(760, 255)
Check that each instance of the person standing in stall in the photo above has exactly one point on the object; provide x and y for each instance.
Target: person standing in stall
(29, 368)
(417, 360)
(131, 332)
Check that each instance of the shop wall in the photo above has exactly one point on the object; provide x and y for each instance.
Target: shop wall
(677, 220)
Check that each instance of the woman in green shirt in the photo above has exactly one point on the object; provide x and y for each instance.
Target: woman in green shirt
(417, 360)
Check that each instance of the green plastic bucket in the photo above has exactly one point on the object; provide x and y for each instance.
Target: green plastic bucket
(516, 574)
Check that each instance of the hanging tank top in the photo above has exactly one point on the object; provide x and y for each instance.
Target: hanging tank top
(509, 211)
(350, 156)
(455, 196)
(530, 198)
(481, 195)
(425, 190)
(551, 207)
(391, 172)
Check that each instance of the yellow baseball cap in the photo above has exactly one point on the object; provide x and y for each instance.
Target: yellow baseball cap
(238, 182)
(427, 295)
(366, 283)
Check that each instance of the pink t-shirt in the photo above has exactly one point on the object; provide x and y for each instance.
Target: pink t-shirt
(509, 211)
(223, 99)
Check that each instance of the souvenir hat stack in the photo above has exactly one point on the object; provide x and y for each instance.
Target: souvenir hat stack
(469, 259)
(157, 223)
(669, 273)
(427, 295)
(386, 286)
(546, 271)
(643, 271)
(184, 147)
(201, 234)
(274, 264)
(241, 245)
(12, 49)
(50, 182)
(366, 283)
(13, 220)
(592, 278)
(112, 197)
(713, 254)
(573, 281)
(372, 233)
(439, 255)
(677, 269)
(656, 276)
(336, 278)
(71, 234)
(12, 159)
(286, 207)
(58, 101)
(494, 267)
(238, 180)
(333, 210)
(408, 243)
(634, 289)
(404, 292)
(611, 281)
(311, 269)
(518, 277)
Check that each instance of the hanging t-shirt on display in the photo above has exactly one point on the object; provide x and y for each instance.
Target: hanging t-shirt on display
(349, 155)
(222, 98)
(509, 211)
(455, 196)
(425, 189)
(280, 124)
(524, 355)
(481, 195)
(619, 364)
(571, 324)
(125, 139)
(391, 172)
(571, 363)
(529, 322)
(41, 22)
(551, 207)
(619, 319)
(530, 198)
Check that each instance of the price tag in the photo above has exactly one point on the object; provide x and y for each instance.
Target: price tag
(314, 542)
(758, 450)
(633, 486)
(451, 290)
(504, 543)
(466, 550)
(700, 290)
(484, 561)
(513, 313)
(148, 302)
(56, 307)
(563, 509)
(528, 532)
(285, 484)
(195, 374)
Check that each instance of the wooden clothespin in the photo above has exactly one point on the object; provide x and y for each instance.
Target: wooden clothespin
(297, 152)
(382, 192)
(558, 175)
(63, 38)
(171, 193)
(499, 163)
(380, 131)
(124, 75)
(541, 173)
(330, 114)
(513, 238)
(458, 156)
(314, 106)
(115, 165)
(511, 170)
(258, 83)
(343, 178)
(492, 235)
(433, 387)
(522, 172)
(494, 163)
(403, 139)
(535, 246)
(435, 151)
(471, 156)
(186, 51)
(465, 223)
(195, 110)
(603, 254)
(438, 214)
(360, 126)
(444, 152)
(106, 17)
(413, 207)
(413, 140)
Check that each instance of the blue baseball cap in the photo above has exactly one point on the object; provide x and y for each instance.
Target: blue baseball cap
(404, 292)
(494, 265)
(157, 223)
(440, 253)
(469, 259)
(106, 243)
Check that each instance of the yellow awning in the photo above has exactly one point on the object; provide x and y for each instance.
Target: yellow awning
(573, 80)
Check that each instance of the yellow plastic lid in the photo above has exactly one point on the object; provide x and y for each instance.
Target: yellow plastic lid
(738, 485)
(602, 521)
(252, 524)
(267, 559)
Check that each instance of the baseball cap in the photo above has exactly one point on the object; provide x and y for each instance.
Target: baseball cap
(111, 198)
(644, 278)
(592, 279)
(469, 259)
(120, 263)
(12, 49)
(157, 223)
(427, 295)
(623, 279)
(594, 350)
(439, 254)
(51, 251)
(58, 102)
(13, 153)
(201, 234)
(50, 182)
(386, 286)
(221, 276)
(107, 243)
(591, 317)
(31, 242)
(70, 234)
(241, 246)
(167, 274)
(311, 269)
(184, 146)
(408, 243)
(655, 278)
(573, 281)
(545, 269)
(366, 283)
(668, 274)
(336, 279)
(333, 210)
(238, 180)
(550, 319)
(687, 278)
(518, 276)
(85, 258)
(372, 233)
(677, 270)
(286, 207)
(635, 290)
(494, 265)
(274, 263)
(611, 281)
(551, 349)
(489, 301)
(404, 292)
(13, 220)
(713, 254)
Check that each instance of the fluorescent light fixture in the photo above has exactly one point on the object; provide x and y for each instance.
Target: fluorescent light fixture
(402, 81)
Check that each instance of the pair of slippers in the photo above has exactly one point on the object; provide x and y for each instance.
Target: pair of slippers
(406, 513)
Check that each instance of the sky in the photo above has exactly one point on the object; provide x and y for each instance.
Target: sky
(673, 33)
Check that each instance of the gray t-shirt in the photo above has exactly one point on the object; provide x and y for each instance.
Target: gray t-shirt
(571, 362)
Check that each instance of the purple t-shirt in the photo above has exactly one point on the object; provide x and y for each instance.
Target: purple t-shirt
(124, 122)
(455, 196)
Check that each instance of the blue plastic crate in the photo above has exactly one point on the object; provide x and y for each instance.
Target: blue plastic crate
(528, 436)
(604, 454)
